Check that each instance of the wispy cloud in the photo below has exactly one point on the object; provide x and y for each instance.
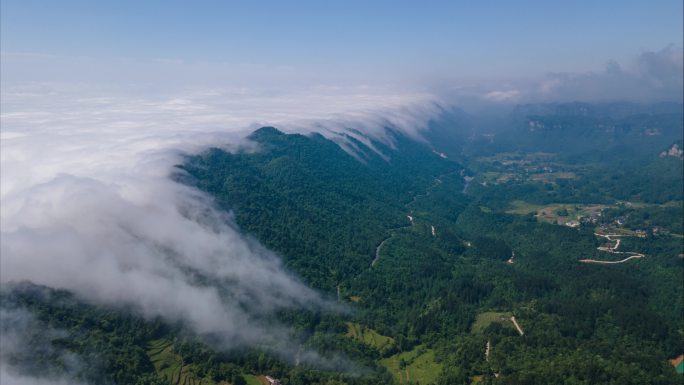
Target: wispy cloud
(502, 95)
(9, 376)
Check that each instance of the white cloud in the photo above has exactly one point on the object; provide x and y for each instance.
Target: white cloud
(87, 204)
(502, 95)
(10, 377)
(650, 77)
(654, 76)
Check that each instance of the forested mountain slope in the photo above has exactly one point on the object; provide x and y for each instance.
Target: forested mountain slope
(428, 288)
(450, 268)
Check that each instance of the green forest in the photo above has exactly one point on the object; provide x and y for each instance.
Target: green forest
(444, 280)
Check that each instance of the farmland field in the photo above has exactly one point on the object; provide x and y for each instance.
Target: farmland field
(418, 366)
(368, 336)
(170, 365)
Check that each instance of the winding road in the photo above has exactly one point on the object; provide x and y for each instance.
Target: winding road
(613, 250)
(392, 232)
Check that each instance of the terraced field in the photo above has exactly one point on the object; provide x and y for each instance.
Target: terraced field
(369, 336)
(170, 365)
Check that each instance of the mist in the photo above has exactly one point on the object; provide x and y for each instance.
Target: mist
(88, 204)
(18, 362)
(649, 76)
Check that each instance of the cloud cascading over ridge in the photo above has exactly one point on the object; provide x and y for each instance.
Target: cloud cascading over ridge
(88, 204)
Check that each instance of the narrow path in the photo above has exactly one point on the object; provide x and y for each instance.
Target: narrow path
(515, 323)
(377, 249)
(488, 349)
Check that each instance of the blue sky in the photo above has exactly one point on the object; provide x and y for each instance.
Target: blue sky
(411, 42)
(509, 37)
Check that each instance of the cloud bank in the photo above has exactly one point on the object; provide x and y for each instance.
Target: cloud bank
(654, 76)
(651, 77)
(88, 205)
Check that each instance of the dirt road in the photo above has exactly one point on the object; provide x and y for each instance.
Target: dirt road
(611, 262)
(613, 250)
(515, 323)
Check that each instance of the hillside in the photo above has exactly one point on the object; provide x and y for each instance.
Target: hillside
(439, 274)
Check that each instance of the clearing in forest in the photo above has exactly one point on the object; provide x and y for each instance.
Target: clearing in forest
(251, 379)
(417, 366)
(369, 336)
(483, 320)
(555, 213)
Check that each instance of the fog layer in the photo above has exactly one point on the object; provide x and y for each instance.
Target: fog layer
(88, 205)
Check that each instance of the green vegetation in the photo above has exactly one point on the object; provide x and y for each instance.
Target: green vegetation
(170, 365)
(556, 213)
(370, 337)
(428, 290)
(486, 319)
(306, 197)
(427, 310)
(252, 380)
(415, 366)
(165, 361)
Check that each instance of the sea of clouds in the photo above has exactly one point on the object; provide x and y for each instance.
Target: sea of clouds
(88, 204)
(86, 151)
